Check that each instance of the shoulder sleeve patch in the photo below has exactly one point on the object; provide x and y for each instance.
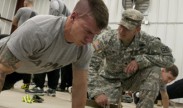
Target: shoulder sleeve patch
(97, 45)
(165, 49)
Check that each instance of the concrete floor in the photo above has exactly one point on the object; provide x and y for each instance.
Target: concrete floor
(13, 99)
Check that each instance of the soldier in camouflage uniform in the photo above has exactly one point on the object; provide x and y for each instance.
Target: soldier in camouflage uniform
(132, 61)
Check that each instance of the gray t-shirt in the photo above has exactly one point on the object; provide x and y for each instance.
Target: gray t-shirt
(23, 14)
(39, 43)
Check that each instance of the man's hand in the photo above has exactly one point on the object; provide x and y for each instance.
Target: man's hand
(131, 67)
(102, 100)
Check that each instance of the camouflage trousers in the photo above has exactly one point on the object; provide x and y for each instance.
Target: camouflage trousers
(145, 81)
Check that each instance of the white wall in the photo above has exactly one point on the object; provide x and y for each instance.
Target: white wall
(41, 6)
(166, 21)
(7, 8)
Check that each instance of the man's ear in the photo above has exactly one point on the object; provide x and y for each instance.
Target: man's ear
(163, 70)
(74, 15)
(138, 28)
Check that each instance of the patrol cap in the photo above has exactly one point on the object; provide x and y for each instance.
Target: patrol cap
(131, 18)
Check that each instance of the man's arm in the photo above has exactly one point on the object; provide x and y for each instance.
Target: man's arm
(8, 63)
(15, 21)
(165, 99)
(17, 17)
(158, 54)
(79, 88)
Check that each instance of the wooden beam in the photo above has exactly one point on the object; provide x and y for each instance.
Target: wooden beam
(5, 19)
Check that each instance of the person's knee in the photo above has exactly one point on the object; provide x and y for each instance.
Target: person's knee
(148, 93)
(146, 98)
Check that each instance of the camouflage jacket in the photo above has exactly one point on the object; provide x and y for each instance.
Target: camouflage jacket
(110, 51)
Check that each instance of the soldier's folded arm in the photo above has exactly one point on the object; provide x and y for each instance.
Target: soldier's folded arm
(142, 61)
(159, 54)
(146, 60)
(8, 64)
